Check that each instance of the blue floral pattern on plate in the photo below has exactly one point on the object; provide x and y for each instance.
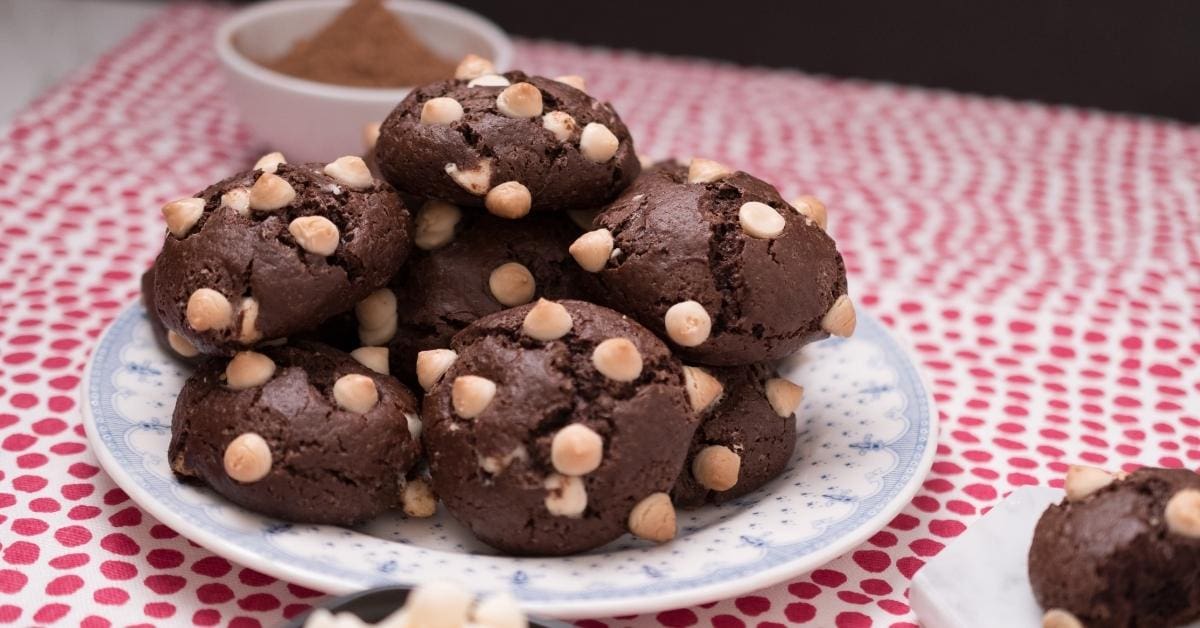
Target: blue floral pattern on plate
(866, 440)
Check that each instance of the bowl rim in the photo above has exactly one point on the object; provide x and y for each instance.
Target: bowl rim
(453, 15)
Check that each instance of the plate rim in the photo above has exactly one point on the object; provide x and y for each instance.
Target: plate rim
(580, 608)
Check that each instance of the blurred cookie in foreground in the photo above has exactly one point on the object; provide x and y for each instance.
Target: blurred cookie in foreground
(509, 142)
(556, 427)
(746, 436)
(715, 261)
(301, 432)
(276, 250)
(1120, 551)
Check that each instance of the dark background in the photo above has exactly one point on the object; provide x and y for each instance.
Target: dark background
(1134, 56)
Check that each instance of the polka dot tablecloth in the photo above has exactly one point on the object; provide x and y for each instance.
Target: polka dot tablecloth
(1044, 263)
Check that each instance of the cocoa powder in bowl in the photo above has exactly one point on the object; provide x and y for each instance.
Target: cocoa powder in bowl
(364, 46)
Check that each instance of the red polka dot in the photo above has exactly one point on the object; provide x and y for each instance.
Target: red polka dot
(894, 607)
(69, 561)
(164, 558)
(160, 610)
(828, 578)
(206, 617)
(17, 442)
(12, 581)
(800, 612)
(727, 621)
(110, 596)
(118, 570)
(64, 585)
(79, 513)
(244, 622)
(164, 584)
(51, 613)
(804, 590)
(214, 593)
(128, 517)
(212, 566)
(875, 586)
(292, 610)
(21, 553)
(909, 566)
(852, 620)
(753, 604)
(259, 602)
(92, 621)
(873, 561)
(677, 618)
(118, 543)
(29, 527)
(253, 578)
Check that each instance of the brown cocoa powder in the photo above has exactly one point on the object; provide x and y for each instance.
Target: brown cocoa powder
(364, 46)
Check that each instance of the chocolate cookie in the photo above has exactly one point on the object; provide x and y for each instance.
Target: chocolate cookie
(556, 427)
(468, 264)
(509, 142)
(275, 251)
(746, 436)
(301, 432)
(1120, 551)
(716, 262)
(170, 342)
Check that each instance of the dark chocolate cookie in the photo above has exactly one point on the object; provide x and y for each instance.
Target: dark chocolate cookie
(301, 432)
(554, 428)
(170, 342)
(1120, 552)
(746, 436)
(717, 262)
(508, 142)
(468, 264)
(266, 254)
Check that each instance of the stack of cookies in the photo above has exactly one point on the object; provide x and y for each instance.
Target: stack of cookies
(592, 337)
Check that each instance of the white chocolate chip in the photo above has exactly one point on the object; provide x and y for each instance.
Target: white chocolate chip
(473, 66)
(477, 180)
(248, 458)
(355, 393)
(270, 162)
(812, 209)
(351, 171)
(583, 218)
(237, 199)
(520, 100)
(248, 332)
(432, 365)
(688, 324)
(208, 309)
(437, 604)
(706, 171)
(379, 335)
(574, 80)
(509, 200)
(182, 215)
(418, 500)
(576, 450)
(1083, 480)
(512, 284)
(760, 220)
(565, 495)
(315, 234)
(702, 388)
(415, 426)
(441, 110)
(1182, 513)
(374, 358)
(499, 610)
(592, 250)
(653, 518)
(371, 135)
(435, 224)
(248, 369)
(181, 345)
(784, 396)
(1059, 618)
(840, 320)
(618, 359)
(547, 321)
(377, 309)
(471, 394)
(645, 162)
(494, 465)
(561, 124)
(489, 80)
(271, 192)
(716, 468)
(597, 143)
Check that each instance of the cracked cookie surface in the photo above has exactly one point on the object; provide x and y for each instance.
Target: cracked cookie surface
(264, 273)
(312, 455)
(462, 155)
(756, 294)
(510, 473)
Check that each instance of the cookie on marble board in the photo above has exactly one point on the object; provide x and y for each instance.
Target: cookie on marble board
(277, 250)
(468, 264)
(747, 432)
(1120, 550)
(508, 142)
(556, 427)
(716, 262)
(301, 432)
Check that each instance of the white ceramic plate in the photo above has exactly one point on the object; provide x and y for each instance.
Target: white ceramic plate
(867, 436)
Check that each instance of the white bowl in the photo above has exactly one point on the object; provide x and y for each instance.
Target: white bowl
(311, 121)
